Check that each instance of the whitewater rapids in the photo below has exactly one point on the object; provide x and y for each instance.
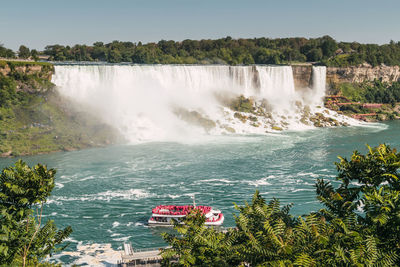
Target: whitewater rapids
(178, 102)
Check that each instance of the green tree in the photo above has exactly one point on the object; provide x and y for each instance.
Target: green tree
(24, 52)
(231, 51)
(114, 56)
(226, 55)
(369, 191)
(24, 238)
(314, 55)
(35, 54)
(196, 245)
(266, 56)
(5, 52)
(7, 91)
(328, 46)
(247, 59)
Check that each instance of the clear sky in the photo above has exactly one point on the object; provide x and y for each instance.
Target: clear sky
(37, 23)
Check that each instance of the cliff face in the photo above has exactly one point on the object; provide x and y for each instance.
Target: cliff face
(362, 73)
(41, 70)
(302, 74)
(29, 76)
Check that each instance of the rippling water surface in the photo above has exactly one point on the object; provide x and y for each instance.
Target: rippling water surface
(106, 194)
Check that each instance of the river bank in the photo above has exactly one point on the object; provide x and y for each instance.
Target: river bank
(35, 119)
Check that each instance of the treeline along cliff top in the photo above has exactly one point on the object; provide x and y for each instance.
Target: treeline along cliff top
(324, 50)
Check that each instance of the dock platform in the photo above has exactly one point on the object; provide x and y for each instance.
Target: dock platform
(140, 257)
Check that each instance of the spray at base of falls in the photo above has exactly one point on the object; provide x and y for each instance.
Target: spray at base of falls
(177, 103)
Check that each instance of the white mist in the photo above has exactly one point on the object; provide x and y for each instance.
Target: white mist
(139, 100)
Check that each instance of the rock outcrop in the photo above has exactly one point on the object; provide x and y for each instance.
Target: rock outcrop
(362, 73)
(302, 74)
(42, 70)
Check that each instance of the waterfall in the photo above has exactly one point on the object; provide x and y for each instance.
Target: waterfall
(277, 86)
(171, 102)
(318, 84)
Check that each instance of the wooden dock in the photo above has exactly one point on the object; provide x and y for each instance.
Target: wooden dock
(140, 257)
(150, 257)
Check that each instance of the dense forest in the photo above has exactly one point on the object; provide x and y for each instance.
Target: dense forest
(324, 50)
(370, 92)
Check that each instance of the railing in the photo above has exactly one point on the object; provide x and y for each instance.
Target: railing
(148, 249)
(16, 59)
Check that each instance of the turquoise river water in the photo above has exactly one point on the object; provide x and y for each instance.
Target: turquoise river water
(106, 194)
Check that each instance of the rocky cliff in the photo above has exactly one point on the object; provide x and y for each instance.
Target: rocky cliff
(40, 69)
(302, 74)
(362, 73)
(28, 76)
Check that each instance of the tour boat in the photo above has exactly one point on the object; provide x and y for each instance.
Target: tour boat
(163, 214)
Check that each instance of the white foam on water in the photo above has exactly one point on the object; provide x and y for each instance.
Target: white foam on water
(260, 182)
(69, 239)
(374, 125)
(92, 255)
(302, 189)
(216, 180)
(122, 239)
(310, 174)
(115, 234)
(59, 185)
(130, 194)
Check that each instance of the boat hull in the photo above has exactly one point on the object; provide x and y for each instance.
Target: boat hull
(170, 223)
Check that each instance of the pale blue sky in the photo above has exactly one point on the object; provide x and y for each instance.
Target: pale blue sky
(42, 22)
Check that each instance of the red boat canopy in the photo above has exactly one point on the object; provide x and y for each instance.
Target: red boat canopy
(179, 210)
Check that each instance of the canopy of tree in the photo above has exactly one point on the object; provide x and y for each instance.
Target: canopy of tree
(359, 224)
(25, 239)
(6, 52)
(370, 92)
(324, 50)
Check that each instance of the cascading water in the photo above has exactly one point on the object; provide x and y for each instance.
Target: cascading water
(319, 84)
(277, 86)
(170, 102)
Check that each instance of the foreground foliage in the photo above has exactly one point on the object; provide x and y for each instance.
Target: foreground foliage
(25, 238)
(359, 224)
